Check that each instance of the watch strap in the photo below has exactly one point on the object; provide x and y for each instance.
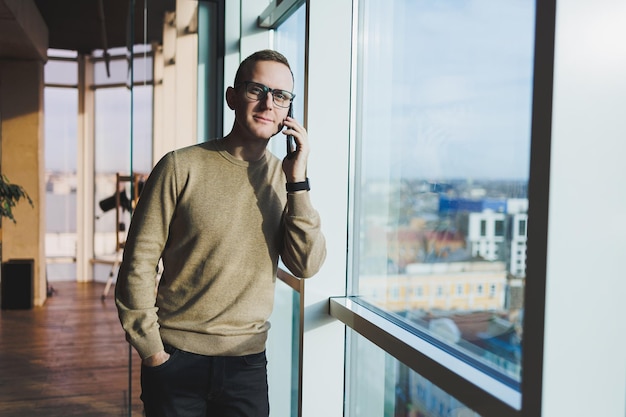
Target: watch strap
(298, 186)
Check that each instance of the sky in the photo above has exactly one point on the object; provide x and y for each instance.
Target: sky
(448, 88)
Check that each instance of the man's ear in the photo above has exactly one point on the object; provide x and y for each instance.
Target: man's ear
(231, 97)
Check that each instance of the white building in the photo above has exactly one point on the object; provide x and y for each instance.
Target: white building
(519, 225)
(486, 235)
(488, 232)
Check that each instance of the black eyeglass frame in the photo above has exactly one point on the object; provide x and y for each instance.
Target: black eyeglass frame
(290, 96)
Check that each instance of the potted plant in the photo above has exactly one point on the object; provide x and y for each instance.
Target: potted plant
(10, 195)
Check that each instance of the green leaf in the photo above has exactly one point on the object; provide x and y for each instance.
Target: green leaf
(10, 195)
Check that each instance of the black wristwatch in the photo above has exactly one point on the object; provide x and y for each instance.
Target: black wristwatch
(298, 186)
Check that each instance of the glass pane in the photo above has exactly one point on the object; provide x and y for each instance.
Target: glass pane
(112, 155)
(118, 72)
(61, 72)
(283, 347)
(142, 69)
(142, 129)
(61, 126)
(443, 148)
(289, 41)
(383, 386)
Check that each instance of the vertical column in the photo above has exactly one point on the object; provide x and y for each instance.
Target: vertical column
(85, 170)
(23, 163)
(186, 72)
(175, 77)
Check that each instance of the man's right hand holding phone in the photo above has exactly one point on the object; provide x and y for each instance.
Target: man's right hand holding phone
(295, 165)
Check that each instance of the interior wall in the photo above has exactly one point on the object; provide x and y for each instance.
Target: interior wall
(21, 83)
(584, 360)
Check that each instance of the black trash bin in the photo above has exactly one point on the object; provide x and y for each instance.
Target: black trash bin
(17, 284)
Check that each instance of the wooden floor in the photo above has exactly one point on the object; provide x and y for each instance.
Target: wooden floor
(67, 358)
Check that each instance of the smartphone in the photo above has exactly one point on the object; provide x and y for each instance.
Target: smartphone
(291, 143)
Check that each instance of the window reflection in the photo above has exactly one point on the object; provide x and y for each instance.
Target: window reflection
(112, 155)
(113, 147)
(283, 348)
(443, 149)
(383, 386)
(290, 41)
(284, 339)
(118, 72)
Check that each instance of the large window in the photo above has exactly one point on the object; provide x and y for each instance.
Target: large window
(61, 110)
(442, 168)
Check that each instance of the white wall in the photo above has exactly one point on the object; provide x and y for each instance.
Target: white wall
(585, 336)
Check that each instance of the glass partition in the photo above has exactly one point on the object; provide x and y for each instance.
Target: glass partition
(139, 59)
(284, 347)
(112, 155)
(210, 69)
(289, 40)
(61, 68)
(123, 130)
(380, 385)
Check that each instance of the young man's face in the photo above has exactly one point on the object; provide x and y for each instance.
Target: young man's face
(262, 119)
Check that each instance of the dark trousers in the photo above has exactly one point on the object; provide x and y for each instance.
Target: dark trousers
(191, 385)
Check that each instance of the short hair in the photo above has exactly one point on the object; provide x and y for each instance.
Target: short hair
(246, 66)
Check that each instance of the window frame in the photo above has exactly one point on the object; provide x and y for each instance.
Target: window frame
(277, 12)
(488, 396)
(480, 391)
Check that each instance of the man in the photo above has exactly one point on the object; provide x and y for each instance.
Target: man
(219, 215)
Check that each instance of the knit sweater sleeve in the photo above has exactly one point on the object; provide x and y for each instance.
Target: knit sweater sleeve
(135, 290)
(304, 248)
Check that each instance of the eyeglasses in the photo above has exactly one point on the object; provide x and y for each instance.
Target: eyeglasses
(256, 91)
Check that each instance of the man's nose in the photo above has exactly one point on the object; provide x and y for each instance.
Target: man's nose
(268, 101)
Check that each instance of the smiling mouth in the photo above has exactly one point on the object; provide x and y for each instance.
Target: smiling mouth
(263, 119)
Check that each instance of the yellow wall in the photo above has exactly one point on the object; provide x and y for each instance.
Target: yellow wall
(23, 160)
(402, 292)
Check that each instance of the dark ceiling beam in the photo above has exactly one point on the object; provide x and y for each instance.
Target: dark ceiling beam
(103, 36)
(76, 24)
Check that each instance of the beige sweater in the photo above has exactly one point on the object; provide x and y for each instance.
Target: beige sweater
(219, 224)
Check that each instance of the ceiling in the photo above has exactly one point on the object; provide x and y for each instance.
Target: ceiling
(85, 25)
